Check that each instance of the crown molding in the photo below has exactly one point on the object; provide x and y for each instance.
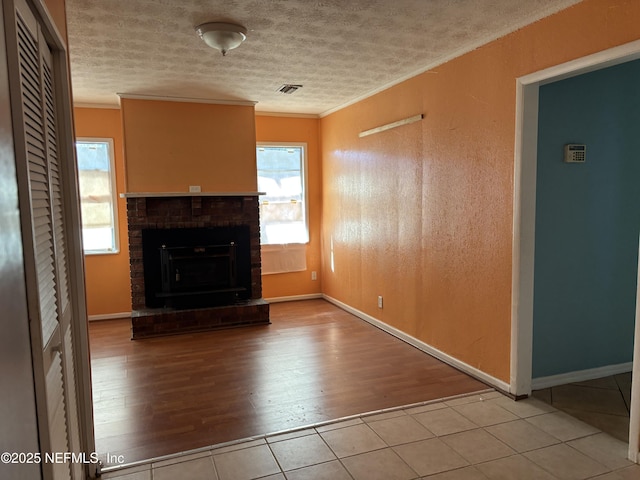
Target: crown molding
(106, 106)
(137, 96)
(287, 114)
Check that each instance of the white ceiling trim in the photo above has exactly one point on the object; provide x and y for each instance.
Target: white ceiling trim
(136, 96)
(285, 114)
(106, 106)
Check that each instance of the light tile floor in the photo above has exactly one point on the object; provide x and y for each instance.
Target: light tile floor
(604, 402)
(476, 437)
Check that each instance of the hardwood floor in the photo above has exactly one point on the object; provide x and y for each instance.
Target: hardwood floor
(314, 363)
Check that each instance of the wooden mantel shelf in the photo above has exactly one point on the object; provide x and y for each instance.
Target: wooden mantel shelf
(189, 194)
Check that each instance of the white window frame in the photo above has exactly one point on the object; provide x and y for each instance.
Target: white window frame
(305, 185)
(114, 195)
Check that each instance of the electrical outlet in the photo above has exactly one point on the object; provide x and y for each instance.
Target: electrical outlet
(314, 275)
(379, 301)
(194, 188)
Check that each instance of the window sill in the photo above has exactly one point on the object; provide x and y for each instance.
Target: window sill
(271, 247)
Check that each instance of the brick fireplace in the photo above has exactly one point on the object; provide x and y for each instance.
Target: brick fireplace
(149, 216)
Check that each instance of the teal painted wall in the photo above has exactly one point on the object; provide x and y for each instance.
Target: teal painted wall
(587, 222)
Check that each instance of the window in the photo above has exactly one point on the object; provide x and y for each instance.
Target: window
(96, 177)
(283, 210)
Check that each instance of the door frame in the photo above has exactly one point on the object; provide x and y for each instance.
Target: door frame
(524, 201)
(81, 389)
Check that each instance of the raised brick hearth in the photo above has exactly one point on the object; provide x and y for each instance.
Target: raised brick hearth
(171, 212)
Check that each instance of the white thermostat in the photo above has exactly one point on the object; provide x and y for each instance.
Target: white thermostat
(574, 153)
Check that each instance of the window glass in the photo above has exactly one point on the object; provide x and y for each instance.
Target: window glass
(97, 195)
(283, 210)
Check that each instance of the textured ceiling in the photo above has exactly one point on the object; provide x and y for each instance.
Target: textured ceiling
(339, 50)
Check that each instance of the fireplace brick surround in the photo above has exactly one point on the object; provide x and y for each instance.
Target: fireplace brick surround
(155, 211)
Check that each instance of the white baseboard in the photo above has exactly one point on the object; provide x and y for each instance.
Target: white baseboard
(419, 344)
(294, 298)
(580, 375)
(109, 316)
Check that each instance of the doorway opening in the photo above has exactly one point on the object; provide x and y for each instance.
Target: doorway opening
(524, 238)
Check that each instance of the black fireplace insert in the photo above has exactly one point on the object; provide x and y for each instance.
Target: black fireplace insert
(196, 267)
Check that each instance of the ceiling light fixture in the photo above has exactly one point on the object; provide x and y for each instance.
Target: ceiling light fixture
(222, 36)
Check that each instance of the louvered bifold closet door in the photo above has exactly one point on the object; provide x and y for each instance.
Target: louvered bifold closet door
(55, 182)
(60, 249)
(49, 256)
(36, 149)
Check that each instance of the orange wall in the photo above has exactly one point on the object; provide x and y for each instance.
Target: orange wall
(422, 214)
(107, 276)
(172, 145)
(289, 129)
